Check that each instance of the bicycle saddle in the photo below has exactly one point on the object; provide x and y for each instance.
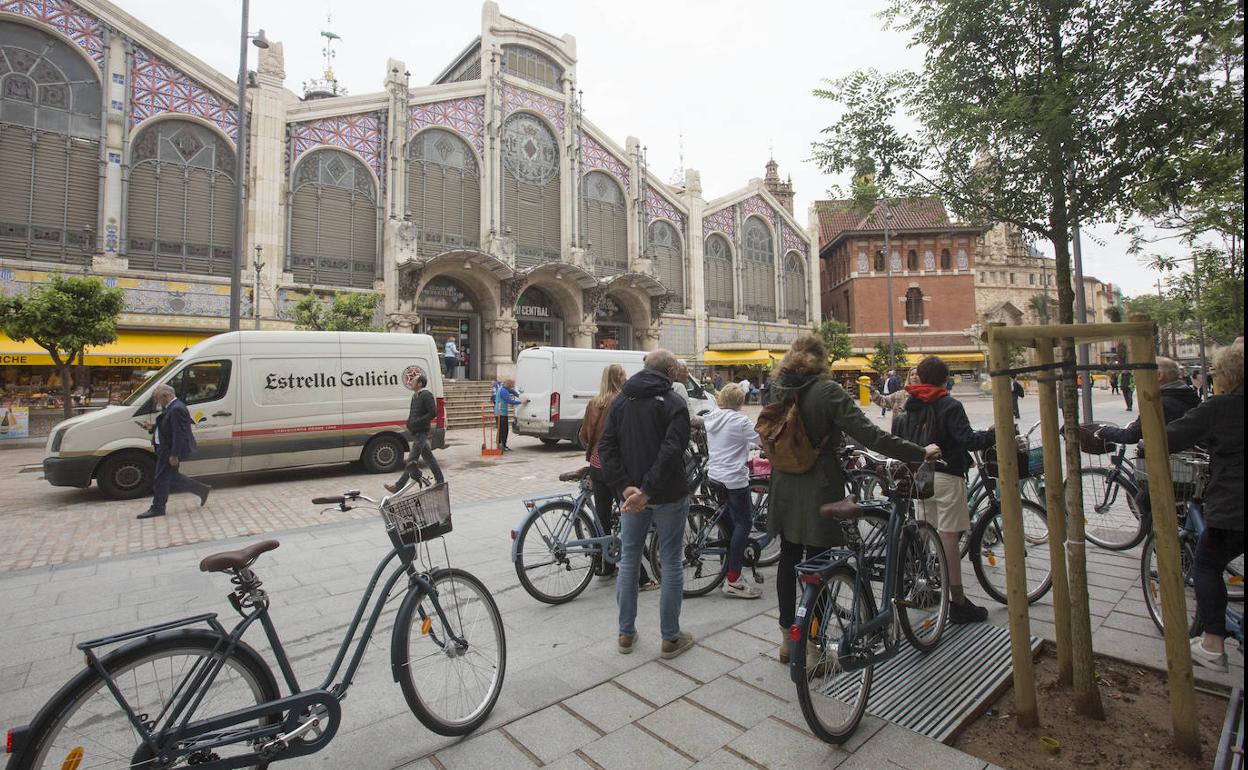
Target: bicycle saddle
(842, 510)
(575, 475)
(243, 557)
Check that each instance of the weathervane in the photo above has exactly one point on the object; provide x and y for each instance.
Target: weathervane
(327, 84)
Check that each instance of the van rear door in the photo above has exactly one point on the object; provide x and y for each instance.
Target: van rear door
(535, 378)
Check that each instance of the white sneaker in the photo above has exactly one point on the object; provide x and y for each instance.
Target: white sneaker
(1211, 660)
(741, 590)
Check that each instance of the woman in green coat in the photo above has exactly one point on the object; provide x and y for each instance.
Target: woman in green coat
(794, 501)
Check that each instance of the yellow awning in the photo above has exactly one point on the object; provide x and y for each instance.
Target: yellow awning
(736, 357)
(851, 364)
(136, 349)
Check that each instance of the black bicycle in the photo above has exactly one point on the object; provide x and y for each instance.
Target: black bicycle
(191, 692)
(986, 543)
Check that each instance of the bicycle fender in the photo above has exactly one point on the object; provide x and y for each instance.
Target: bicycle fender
(416, 591)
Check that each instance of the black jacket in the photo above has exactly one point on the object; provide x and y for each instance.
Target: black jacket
(1177, 399)
(173, 431)
(644, 440)
(424, 409)
(954, 435)
(1218, 425)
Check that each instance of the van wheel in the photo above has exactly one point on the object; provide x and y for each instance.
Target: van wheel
(549, 441)
(126, 475)
(383, 454)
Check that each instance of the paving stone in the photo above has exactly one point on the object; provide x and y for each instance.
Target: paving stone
(731, 698)
(761, 626)
(570, 762)
(869, 726)
(690, 728)
(656, 683)
(552, 733)
(702, 663)
(724, 760)
(896, 746)
(630, 748)
(735, 644)
(767, 674)
(778, 746)
(484, 752)
(607, 707)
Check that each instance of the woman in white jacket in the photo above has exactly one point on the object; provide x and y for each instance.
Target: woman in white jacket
(729, 437)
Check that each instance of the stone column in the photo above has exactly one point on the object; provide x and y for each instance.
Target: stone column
(266, 202)
(633, 201)
(402, 322)
(814, 268)
(499, 364)
(695, 254)
(582, 335)
(397, 236)
(106, 253)
(648, 338)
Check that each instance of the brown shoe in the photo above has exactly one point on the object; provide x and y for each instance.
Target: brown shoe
(391, 488)
(625, 643)
(671, 648)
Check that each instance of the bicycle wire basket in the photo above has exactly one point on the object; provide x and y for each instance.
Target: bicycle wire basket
(1188, 471)
(419, 515)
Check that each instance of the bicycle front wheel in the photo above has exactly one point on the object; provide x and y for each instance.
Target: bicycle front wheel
(548, 570)
(450, 664)
(759, 497)
(1151, 582)
(988, 553)
(833, 700)
(704, 552)
(1112, 518)
(922, 601)
(85, 726)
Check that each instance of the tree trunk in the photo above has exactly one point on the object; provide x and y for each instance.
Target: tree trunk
(67, 387)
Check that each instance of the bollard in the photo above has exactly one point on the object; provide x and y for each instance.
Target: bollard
(864, 390)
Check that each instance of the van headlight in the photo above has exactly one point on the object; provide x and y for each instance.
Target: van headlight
(57, 436)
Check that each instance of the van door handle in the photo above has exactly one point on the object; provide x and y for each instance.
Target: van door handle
(222, 414)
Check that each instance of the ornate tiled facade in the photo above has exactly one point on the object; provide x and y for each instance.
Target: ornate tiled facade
(790, 240)
(756, 205)
(521, 99)
(594, 155)
(467, 116)
(159, 87)
(66, 18)
(361, 134)
(657, 206)
(721, 221)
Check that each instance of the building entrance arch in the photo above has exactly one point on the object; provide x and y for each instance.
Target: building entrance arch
(539, 320)
(448, 309)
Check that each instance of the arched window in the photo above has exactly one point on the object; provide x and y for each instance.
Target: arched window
(879, 261)
(914, 306)
(717, 276)
(669, 261)
(912, 260)
(944, 259)
(333, 221)
(794, 289)
(49, 146)
(531, 189)
(604, 223)
(180, 200)
(443, 193)
(534, 66)
(758, 271)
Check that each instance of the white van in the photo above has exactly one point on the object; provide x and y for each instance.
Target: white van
(261, 400)
(556, 384)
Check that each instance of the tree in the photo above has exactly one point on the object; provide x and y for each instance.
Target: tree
(835, 335)
(881, 361)
(1046, 116)
(350, 312)
(65, 316)
(1040, 306)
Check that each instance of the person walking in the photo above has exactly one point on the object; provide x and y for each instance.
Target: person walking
(1113, 383)
(613, 378)
(890, 386)
(174, 441)
(642, 446)
(450, 356)
(419, 419)
(1017, 391)
(827, 412)
(947, 510)
(505, 397)
(729, 437)
(893, 402)
(1127, 384)
(719, 382)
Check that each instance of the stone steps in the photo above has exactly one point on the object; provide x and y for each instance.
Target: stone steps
(463, 402)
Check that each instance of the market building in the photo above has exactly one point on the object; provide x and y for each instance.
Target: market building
(485, 207)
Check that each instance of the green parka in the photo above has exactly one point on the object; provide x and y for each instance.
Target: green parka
(827, 410)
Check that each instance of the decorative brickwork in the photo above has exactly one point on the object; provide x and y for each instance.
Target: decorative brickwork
(467, 116)
(66, 18)
(158, 87)
(360, 133)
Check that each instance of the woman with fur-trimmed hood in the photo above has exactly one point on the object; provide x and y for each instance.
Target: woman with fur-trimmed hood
(793, 510)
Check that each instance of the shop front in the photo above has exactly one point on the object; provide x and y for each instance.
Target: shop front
(537, 321)
(447, 311)
(615, 330)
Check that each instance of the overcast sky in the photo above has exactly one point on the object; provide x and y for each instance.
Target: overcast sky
(734, 77)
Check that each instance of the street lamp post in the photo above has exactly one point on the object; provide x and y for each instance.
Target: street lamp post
(257, 265)
(87, 247)
(240, 169)
(888, 288)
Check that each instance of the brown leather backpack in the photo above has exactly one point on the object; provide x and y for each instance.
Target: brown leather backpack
(783, 437)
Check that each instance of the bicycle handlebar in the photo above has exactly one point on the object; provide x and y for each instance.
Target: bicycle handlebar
(335, 500)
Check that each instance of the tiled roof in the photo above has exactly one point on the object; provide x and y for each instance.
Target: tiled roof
(838, 216)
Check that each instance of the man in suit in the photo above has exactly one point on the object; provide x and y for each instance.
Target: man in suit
(174, 442)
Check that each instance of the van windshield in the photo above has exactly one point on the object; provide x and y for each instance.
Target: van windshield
(141, 392)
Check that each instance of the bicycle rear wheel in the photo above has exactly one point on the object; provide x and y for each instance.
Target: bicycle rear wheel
(759, 497)
(923, 573)
(451, 671)
(85, 720)
(832, 699)
(704, 553)
(1112, 518)
(1151, 583)
(549, 572)
(988, 553)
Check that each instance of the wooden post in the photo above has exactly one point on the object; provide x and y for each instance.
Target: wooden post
(1166, 542)
(1012, 518)
(1051, 440)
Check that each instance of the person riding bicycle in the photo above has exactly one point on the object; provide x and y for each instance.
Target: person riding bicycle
(1177, 399)
(729, 437)
(1218, 425)
(826, 411)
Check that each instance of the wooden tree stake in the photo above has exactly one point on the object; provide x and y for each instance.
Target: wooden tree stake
(1055, 505)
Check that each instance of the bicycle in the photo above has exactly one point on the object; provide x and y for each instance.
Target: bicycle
(189, 692)
(839, 616)
(986, 543)
(1114, 518)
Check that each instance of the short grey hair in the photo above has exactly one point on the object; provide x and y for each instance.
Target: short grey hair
(661, 360)
(1168, 369)
(164, 389)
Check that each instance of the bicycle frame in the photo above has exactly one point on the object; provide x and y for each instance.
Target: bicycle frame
(598, 545)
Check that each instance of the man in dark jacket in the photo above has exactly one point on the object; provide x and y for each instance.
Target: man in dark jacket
(642, 451)
(947, 509)
(1177, 399)
(174, 443)
(419, 419)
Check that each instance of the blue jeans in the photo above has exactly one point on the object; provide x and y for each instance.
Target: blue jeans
(739, 509)
(669, 523)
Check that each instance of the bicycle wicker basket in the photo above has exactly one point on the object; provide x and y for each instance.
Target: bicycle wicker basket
(418, 515)
(1090, 444)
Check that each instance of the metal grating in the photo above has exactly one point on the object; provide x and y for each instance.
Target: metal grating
(938, 693)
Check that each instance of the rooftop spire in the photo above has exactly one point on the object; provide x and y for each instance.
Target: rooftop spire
(326, 85)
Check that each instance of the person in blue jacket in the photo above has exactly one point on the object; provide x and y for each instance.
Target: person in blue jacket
(505, 397)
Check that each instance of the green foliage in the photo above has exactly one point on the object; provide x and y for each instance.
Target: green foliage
(835, 336)
(1016, 355)
(349, 312)
(881, 362)
(1040, 306)
(1211, 289)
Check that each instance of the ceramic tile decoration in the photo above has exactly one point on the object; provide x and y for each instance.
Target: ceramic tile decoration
(360, 133)
(756, 205)
(594, 155)
(790, 240)
(721, 221)
(521, 99)
(467, 116)
(66, 18)
(658, 206)
(157, 87)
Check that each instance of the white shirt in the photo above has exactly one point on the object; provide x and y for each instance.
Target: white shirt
(729, 436)
(450, 351)
(745, 386)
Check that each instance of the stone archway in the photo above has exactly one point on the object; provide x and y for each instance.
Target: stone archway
(564, 286)
(630, 310)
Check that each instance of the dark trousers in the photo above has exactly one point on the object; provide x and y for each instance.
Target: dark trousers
(1016, 415)
(451, 363)
(791, 555)
(504, 428)
(607, 513)
(1215, 549)
(739, 509)
(421, 451)
(169, 479)
(1128, 395)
